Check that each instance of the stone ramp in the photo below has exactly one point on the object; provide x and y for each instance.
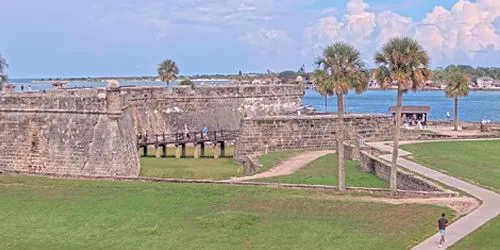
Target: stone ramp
(287, 167)
(489, 209)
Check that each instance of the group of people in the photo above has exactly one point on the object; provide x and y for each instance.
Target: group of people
(204, 132)
(412, 121)
(29, 88)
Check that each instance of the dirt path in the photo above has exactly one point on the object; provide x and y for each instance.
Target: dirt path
(287, 167)
(462, 205)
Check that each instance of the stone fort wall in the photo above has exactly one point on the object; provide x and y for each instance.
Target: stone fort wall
(158, 111)
(87, 133)
(292, 132)
(92, 132)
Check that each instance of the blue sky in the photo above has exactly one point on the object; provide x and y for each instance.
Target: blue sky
(130, 37)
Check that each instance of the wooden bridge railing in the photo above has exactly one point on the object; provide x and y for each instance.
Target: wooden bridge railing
(182, 138)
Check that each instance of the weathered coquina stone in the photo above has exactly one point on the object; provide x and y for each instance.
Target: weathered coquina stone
(90, 133)
(293, 132)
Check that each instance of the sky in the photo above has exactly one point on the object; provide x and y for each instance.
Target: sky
(55, 38)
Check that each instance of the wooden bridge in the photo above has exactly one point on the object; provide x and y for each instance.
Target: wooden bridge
(180, 140)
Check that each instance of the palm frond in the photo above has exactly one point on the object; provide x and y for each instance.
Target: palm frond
(168, 71)
(344, 67)
(403, 61)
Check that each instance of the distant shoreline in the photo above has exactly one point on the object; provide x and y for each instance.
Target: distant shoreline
(216, 80)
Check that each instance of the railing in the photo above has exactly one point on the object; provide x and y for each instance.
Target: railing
(182, 138)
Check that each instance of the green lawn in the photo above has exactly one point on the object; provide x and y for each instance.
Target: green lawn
(189, 168)
(485, 238)
(474, 161)
(203, 168)
(272, 159)
(324, 171)
(40, 213)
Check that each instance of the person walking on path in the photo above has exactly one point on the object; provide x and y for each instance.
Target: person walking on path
(442, 224)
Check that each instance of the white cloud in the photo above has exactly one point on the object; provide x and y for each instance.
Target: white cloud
(287, 27)
(267, 40)
(447, 34)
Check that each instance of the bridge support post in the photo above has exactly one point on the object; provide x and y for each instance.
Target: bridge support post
(145, 151)
(202, 149)
(197, 149)
(217, 151)
(164, 151)
(157, 151)
(222, 149)
(178, 152)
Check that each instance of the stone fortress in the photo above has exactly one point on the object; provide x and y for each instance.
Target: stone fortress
(93, 132)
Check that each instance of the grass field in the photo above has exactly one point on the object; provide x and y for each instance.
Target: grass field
(189, 168)
(39, 213)
(203, 168)
(473, 161)
(485, 238)
(272, 159)
(324, 171)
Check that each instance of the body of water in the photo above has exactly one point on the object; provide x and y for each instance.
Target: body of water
(477, 106)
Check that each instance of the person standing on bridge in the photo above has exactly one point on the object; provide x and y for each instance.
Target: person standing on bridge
(442, 224)
(204, 132)
(186, 132)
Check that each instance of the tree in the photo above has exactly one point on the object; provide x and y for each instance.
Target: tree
(404, 62)
(289, 75)
(168, 71)
(342, 70)
(323, 84)
(457, 85)
(187, 82)
(3, 71)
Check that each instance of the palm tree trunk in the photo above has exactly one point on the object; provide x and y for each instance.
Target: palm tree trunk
(456, 115)
(340, 142)
(326, 103)
(345, 104)
(395, 149)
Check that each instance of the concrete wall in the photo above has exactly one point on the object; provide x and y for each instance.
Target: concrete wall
(158, 111)
(306, 132)
(90, 133)
(405, 180)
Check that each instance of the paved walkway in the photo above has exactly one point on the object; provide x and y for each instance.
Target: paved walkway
(489, 209)
(286, 167)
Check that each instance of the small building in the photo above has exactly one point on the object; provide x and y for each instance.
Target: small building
(485, 82)
(412, 114)
(373, 85)
(496, 84)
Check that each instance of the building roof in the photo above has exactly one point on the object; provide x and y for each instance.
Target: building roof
(411, 109)
(485, 78)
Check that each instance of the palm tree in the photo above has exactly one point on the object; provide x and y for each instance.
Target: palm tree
(457, 85)
(3, 73)
(168, 71)
(404, 62)
(323, 85)
(343, 70)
